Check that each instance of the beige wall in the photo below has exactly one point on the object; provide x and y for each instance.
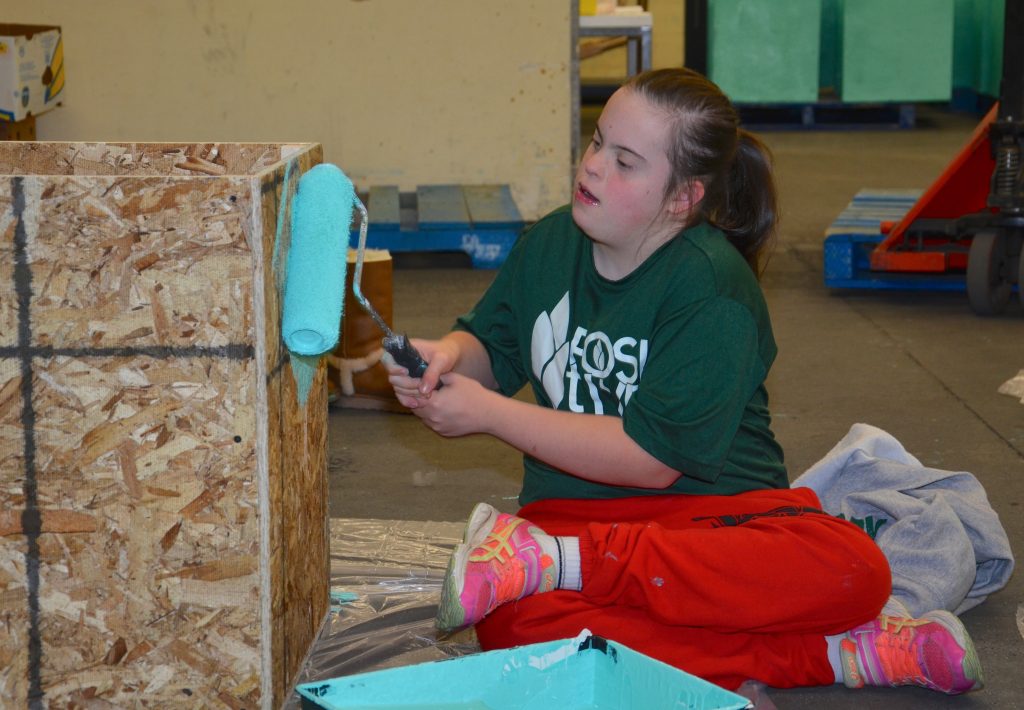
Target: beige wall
(402, 92)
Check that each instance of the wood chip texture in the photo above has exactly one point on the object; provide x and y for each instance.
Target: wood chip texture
(163, 523)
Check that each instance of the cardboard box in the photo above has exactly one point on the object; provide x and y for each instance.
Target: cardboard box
(24, 130)
(585, 672)
(31, 70)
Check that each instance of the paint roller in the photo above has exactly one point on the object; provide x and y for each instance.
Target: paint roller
(317, 258)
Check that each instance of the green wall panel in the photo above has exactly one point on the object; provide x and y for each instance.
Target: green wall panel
(765, 52)
(831, 45)
(978, 45)
(896, 51)
(989, 20)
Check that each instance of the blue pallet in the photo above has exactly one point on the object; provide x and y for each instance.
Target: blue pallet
(848, 265)
(481, 220)
(856, 232)
(869, 208)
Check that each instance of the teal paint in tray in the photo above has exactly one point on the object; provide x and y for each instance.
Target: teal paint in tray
(585, 673)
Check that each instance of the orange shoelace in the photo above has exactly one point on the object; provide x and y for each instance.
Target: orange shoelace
(498, 544)
(894, 646)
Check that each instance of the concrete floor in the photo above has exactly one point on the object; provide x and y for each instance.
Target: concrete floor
(919, 365)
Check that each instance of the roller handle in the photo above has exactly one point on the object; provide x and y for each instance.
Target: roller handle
(405, 355)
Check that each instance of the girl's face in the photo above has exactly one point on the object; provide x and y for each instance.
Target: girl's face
(619, 201)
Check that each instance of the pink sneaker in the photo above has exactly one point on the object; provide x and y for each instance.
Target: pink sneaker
(500, 561)
(933, 652)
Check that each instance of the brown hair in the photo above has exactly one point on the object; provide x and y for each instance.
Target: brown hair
(708, 146)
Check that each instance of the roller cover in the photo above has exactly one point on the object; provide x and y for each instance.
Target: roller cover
(314, 291)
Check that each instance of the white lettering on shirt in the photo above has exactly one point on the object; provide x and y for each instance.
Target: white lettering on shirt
(591, 368)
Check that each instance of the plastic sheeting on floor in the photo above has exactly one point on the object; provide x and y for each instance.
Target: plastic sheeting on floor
(386, 580)
(385, 585)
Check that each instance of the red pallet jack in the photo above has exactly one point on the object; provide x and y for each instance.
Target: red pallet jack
(972, 217)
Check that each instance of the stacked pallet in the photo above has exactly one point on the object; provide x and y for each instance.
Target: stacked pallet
(858, 230)
(482, 221)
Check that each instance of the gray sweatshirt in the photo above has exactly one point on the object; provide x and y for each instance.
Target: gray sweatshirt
(945, 544)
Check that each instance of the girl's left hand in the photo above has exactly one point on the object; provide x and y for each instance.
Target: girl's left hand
(459, 408)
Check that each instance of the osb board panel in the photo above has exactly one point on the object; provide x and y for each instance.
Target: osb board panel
(139, 441)
(147, 354)
(14, 629)
(153, 588)
(297, 476)
(276, 195)
(304, 444)
(146, 261)
(9, 305)
(142, 159)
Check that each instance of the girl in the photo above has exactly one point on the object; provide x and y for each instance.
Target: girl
(657, 510)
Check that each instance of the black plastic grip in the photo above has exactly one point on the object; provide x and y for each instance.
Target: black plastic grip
(405, 355)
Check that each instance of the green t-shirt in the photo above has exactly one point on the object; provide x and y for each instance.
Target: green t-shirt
(679, 349)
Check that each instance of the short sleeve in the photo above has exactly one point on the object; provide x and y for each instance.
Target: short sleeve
(704, 368)
(494, 322)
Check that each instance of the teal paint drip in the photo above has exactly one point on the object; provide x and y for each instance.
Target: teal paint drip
(304, 371)
(343, 597)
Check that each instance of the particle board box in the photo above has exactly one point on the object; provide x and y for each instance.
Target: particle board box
(31, 70)
(163, 521)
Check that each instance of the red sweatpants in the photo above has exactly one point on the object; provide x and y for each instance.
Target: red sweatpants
(724, 587)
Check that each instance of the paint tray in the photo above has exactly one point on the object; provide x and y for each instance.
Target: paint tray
(587, 672)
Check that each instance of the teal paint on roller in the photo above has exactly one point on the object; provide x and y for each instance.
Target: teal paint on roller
(314, 291)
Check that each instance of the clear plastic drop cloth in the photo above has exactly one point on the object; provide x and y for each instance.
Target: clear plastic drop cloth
(385, 585)
(386, 580)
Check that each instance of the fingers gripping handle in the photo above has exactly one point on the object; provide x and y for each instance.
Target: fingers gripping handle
(405, 355)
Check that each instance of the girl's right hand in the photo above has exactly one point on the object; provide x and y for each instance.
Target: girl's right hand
(440, 355)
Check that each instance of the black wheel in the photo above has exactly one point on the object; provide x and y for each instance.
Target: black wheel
(988, 273)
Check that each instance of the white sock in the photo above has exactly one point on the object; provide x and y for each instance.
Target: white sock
(565, 551)
(834, 657)
(570, 574)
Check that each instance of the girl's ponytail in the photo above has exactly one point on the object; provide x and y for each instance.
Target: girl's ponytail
(748, 210)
